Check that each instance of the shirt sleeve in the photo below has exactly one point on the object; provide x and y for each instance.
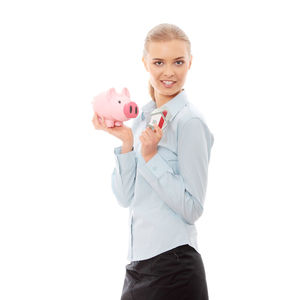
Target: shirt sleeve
(183, 192)
(123, 176)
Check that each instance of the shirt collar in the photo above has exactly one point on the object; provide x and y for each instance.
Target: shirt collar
(173, 106)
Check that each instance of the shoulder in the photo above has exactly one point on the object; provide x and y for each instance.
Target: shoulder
(190, 121)
(191, 117)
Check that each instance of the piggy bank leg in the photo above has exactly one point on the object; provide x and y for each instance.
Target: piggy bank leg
(117, 123)
(109, 123)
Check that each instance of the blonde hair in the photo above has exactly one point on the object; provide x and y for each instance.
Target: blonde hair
(164, 32)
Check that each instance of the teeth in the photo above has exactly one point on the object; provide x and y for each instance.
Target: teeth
(168, 82)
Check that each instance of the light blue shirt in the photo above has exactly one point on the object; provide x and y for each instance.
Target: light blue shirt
(165, 196)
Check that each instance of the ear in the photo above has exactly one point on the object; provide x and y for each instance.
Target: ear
(145, 63)
(125, 92)
(111, 93)
(190, 61)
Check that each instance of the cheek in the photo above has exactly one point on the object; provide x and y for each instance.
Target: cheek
(154, 72)
(183, 72)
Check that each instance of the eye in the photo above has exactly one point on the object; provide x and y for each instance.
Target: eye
(119, 101)
(180, 61)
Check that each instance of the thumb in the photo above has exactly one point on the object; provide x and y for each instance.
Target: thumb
(158, 129)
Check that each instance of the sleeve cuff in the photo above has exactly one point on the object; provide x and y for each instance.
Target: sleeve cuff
(124, 161)
(156, 167)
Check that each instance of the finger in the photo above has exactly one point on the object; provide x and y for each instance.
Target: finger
(96, 119)
(156, 126)
(95, 123)
(99, 123)
(149, 132)
(158, 130)
(103, 122)
(142, 139)
(144, 136)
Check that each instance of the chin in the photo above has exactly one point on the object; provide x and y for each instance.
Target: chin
(168, 92)
(172, 92)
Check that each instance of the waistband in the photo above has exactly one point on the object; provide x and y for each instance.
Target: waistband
(180, 249)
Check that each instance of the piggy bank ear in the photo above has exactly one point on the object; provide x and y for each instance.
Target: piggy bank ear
(125, 92)
(111, 93)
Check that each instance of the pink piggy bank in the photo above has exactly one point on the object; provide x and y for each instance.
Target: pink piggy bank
(115, 108)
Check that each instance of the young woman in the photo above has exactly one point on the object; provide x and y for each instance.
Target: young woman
(161, 175)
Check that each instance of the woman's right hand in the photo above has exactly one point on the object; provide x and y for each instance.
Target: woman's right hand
(124, 133)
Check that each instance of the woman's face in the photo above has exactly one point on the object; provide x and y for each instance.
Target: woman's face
(168, 64)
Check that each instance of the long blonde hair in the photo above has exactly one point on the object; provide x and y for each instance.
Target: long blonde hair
(164, 32)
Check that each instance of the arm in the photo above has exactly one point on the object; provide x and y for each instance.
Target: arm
(183, 192)
(123, 176)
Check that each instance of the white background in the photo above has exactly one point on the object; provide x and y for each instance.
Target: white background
(62, 233)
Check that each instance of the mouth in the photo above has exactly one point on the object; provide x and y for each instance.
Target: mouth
(168, 83)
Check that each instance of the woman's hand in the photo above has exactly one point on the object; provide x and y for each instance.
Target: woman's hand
(124, 133)
(149, 140)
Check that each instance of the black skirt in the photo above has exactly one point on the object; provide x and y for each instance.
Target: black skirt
(177, 274)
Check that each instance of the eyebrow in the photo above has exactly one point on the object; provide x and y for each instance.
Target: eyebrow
(163, 59)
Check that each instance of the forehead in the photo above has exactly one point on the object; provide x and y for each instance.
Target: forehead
(168, 49)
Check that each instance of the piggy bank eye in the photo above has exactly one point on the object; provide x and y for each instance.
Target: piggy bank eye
(119, 101)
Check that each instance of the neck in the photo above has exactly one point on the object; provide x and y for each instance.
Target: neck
(161, 99)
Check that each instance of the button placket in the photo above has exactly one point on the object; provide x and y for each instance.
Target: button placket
(131, 234)
(131, 237)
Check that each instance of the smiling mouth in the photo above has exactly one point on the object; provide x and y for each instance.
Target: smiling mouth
(168, 83)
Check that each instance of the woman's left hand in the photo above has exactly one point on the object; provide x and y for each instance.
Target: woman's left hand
(149, 139)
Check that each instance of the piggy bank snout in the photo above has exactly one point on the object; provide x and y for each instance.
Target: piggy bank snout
(131, 110)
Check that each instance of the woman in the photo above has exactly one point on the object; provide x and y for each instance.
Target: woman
(161, 175)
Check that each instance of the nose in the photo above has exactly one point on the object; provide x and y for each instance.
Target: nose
(168, 71)
(131, 110)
